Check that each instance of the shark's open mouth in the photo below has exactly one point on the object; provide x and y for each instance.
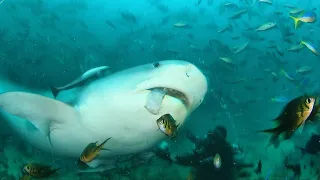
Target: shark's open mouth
(175, 93)
(156, 95)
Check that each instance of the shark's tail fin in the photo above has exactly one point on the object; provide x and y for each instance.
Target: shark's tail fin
(44, 113)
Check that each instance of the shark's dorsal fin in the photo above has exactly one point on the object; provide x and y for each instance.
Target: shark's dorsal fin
(44, 113)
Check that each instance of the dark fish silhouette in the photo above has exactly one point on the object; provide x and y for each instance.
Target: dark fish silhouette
(312, 146)
(259, 167)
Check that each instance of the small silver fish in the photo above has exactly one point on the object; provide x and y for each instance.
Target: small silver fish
(304, 69)
(266, 26)
(265, 1)
(240, 48)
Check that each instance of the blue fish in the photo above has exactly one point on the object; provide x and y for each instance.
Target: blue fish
(290, 76)
(280, 99)
(269, 173)
(304, 81)
(306, 17)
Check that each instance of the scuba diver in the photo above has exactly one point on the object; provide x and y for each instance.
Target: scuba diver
(204, 156)
(211, 158)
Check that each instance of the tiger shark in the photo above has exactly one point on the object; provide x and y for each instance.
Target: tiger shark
(114, 106)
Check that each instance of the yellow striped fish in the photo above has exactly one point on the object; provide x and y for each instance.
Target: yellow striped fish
(167, 125)
(310, 47)
(306, 17)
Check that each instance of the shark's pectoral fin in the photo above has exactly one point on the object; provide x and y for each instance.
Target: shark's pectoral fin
(44, 113)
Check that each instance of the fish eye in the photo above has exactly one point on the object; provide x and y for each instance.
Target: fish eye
(156, 64)
(309, 100)
(27, 167)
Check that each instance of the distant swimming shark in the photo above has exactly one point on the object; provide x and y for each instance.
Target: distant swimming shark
(111, 106)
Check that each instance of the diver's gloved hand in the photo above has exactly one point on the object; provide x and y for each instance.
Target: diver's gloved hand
(180, 159)
(237, 149)
(188, 160)
(194, 139)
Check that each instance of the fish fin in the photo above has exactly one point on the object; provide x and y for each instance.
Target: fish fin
(106, 149)
(104, 142)
(277, 121)
(55, 91)
(101, 164)
(55, 170)
(296, 21)
(69, 96)
(44, 113)
(100, 169)
(303, 150)
(276, 130)
(301, 127)
(95, 163)
(288, 134)
(282, 71)
(273, 140)
(311, 122)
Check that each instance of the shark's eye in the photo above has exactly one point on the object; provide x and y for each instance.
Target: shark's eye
(156, 64)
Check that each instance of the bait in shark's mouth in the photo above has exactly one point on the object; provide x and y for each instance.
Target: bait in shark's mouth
(156, 95)
(154, 100)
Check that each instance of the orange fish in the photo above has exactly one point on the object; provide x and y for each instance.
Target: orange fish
(92, 151)
(293, 116)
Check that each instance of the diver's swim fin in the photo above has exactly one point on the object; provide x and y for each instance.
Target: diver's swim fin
(44, 113)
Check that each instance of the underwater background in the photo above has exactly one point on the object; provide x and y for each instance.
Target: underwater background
(252, 68)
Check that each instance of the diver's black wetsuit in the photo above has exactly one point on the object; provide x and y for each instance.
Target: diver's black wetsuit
(215, 142)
